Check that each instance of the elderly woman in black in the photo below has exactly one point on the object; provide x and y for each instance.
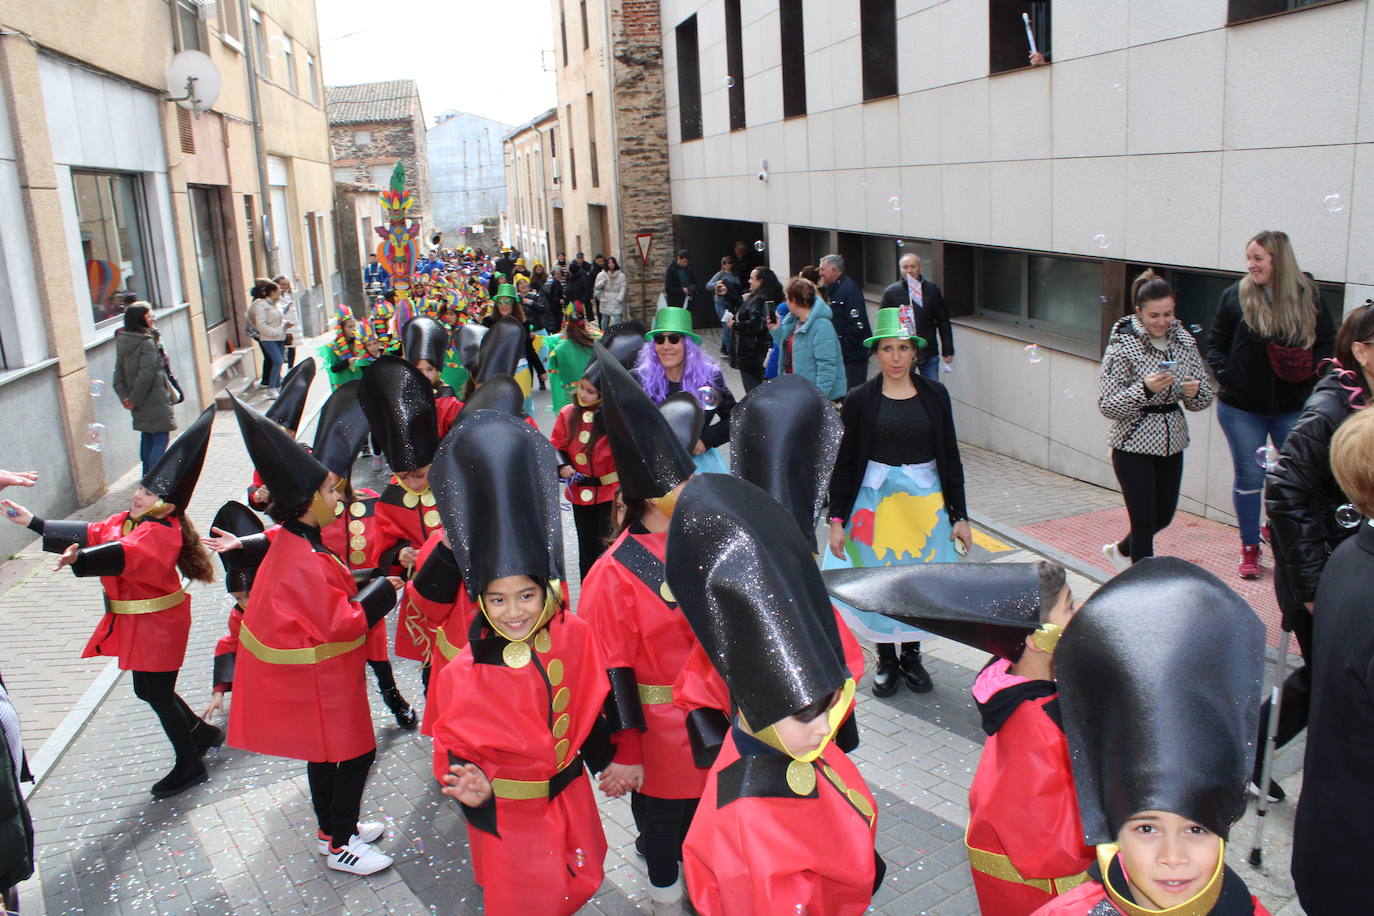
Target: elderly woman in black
(897, 494)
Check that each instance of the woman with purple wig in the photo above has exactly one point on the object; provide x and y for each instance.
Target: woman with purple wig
(676, 362)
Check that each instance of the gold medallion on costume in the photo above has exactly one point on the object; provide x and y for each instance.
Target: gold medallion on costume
(666, 593)
(516, 654)
(338, 509)
(411, 500)
(357, 526)
(584, 436)
(801, 777)
(357, 510)
(858, 800)
(357, 557)
(427, 499)
(555, 671)
(431, 518)
(588, 416)
(580, 458)
(542, 641)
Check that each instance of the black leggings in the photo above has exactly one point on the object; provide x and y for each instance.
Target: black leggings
(159, 690)
(593, 525)
(1149, 484)
(663, 824)
(336, 791)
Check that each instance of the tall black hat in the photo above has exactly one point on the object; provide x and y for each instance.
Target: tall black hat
(1159, 686)
(237, 519)
(470, 344)
(784, 437)
(289, 406)
(745, 579)
(685, 417)
(426, 339)
(500, 392)
(502, 348)
(488, 480)
(624, 340)
(291, 474)
(648, 456)
(990, 606)
(341, 430)
(173, 479)
(399, 404)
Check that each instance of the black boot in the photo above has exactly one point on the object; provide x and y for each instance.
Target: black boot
(405, 715)
(184, 775)
(205, 736)
(885, 675)
(913, 672)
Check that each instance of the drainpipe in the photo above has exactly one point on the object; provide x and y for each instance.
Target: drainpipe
(259, 147)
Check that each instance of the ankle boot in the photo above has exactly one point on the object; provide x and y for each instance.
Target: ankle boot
(913, 672)
(184, 775)
(205, 736)
(405, 715)
(885, 680)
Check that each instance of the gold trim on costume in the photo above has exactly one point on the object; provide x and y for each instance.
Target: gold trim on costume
(144, 605)
(516, 654)
(555, 671)
(542, 641)
(447, 649)
(1200, 904)
(1002, 868)
(655, 694)
(1046, 637)
(523, 789)
(310, 655)
(801, 777)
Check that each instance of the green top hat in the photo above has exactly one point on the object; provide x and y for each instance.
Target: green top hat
(507, 291)
(890, 325)
(671, 320)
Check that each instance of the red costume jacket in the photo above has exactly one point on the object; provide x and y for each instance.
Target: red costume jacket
(142, 639)
(226, 652)
(572, 434)
(407, 519)
(355, 541)
(757, 848)
(1091, 900)
(624, 600)
(447, 407)
(300, 689)
(449, 622)
(1024, 837)
(530, 853)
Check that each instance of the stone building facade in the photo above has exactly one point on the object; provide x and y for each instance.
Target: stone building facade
(372, 126)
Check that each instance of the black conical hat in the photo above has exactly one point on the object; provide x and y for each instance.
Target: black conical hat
(625, 339)
(237, 519)
(399, 404)
(470, 344)
(784, 437)
(173, 479)
(648, 456)
(748, 586)
(990, 606)
(426, 339)
(685, 416)
(491, 482)
(502, 348)
(288, 471)
(500, 392)
(341, 430)
(289, 407)
(1159, 675)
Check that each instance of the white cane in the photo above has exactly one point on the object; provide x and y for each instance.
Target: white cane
(1271, 732)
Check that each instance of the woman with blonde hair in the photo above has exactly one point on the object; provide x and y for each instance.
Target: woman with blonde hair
(1268, 337)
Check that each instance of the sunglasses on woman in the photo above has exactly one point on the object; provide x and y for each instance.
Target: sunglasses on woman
(667, 338)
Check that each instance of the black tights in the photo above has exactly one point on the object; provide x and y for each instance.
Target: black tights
(593, 525)
(1149, 484)
(336, 791)
(663, 824)
(386, 678)
(159, 690)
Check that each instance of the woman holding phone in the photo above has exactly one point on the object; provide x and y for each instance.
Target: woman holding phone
(1151, 370)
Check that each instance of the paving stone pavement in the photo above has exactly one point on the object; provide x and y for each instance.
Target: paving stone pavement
(243, 842)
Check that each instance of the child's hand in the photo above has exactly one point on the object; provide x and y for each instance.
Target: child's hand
(407, 557)
(216, 705)
(221, 540)
(619, 778)
(396, 582)
(468, 784)
(16, 513)
(67, 558)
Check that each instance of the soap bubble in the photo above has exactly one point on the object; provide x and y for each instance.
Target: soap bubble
(759, 246)
(1068, 393)
(1347, 516)
(895, 203)
(1335, 203)
(901, 244)
(1102, 242)
(97, 387)
(1033, 354)
(729, 82)
(580, 857)
(709, 397)
(94, 439)
(1118, 87)
(1102, 299)
(1195, 328)
(1267, 457)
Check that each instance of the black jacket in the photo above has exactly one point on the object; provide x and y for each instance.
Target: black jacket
(16, 828)
(750, 339)
(580, 277)
(1239, 358)
(849, 312)
(674, 279)
(1302, 494)
(1330, 851)
(932, 317)
(860, 416)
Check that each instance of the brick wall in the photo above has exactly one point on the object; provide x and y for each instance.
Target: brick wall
(392, 141)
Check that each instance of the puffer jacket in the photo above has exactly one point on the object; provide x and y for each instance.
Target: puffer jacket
(1143, 421)
(140, 376)
(816, 351)
(1301, 496)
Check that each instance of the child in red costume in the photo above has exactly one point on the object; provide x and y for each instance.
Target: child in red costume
(520, 702)
(426, 345)
(238, 521)
(586, 464)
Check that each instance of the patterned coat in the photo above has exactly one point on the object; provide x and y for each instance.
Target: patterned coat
(1143, 421)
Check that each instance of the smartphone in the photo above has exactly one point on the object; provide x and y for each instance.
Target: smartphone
(959, 548)
(1167, 365)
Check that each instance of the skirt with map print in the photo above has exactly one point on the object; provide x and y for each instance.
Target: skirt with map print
(898, 517)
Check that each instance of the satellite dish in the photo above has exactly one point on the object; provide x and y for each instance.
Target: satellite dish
(193, 81)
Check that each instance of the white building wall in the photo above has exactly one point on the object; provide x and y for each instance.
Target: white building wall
(1158, 126)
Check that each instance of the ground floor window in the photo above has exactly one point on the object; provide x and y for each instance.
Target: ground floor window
(114, 240)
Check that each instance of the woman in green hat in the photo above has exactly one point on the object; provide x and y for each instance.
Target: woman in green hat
(897, 493)
(507, 303)
(676, 362)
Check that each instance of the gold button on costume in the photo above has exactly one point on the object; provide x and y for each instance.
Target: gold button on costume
(357, 526)
(516, 654)
(542, 642)
(411, 500)
(357, 510)
(561, 699)
(431, 518)
(556, 672)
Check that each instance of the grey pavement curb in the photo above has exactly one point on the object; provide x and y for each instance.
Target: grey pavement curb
(1068, 561)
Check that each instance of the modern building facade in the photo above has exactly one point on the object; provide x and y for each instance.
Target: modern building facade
(467, 180)
(107, 189)
(1161, 135)
(530, 166)
(372, 126)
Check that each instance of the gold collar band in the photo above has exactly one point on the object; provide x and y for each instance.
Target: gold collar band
(1200, 904)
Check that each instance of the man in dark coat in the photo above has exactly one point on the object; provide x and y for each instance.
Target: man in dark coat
(849, 312)
(680, 282)
(928, 308)
(1331, 845)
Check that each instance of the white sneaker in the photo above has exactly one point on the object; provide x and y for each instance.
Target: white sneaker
(358, 858)
(369, 832)
(1114, 557)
